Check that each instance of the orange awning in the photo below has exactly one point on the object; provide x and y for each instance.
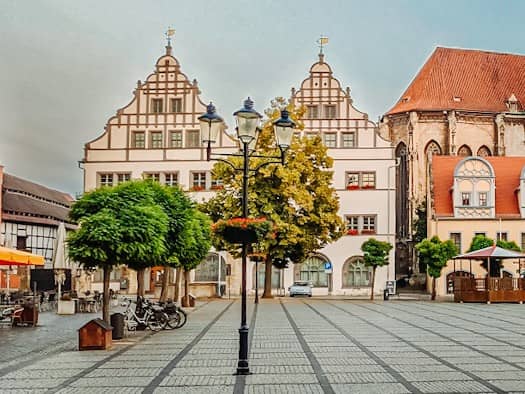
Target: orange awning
(19, 257)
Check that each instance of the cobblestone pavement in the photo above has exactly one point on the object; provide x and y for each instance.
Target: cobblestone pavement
(303, 346)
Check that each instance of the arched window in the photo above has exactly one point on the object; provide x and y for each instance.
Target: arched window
(208, 270)
(483, 151)
(355, 273)
(464, 150)
(432, 148)
(276, 276)
(312, 270)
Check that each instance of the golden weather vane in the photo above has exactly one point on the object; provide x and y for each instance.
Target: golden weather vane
(322, 41)
(169, 33)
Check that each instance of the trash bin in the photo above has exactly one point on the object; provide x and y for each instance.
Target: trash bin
(117, 322)
(192, 299)
(385, 294)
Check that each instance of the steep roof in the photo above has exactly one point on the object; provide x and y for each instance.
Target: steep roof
(507, 171)
(465, 79)
(28, 201)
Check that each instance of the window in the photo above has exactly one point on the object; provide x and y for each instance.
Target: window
(348, 140)
(501, 236)
(21, 242)
(123, 177)
(352, 180)
(198, 181)
(154, 176)
(171, 178)
(456, 238)
(155, 141)
(139, 140)
(329, 111)
(193, 139)
(522, 241)
(156, 106)
(312, 111)
(216, 184)
(105, 180)
(465, 199)
(352, 225)
(464, 150)
(330, 140)
(480, 233)
(483, 199)
(311, 134)
(208, 270)
(312, 270)
(176, 105)
(355, 273)
(176, 139)
(369, 225)
(368, 180)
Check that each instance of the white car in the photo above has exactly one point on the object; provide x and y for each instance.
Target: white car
(300, 287)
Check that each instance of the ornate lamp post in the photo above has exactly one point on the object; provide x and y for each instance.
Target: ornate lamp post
(248, 128)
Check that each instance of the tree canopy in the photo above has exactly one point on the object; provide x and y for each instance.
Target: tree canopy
(375, 254)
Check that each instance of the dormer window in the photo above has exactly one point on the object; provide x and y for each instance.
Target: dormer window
(465, 199)
(483, 199)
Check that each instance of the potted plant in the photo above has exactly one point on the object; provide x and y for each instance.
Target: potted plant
(66, 306)
(242, 230)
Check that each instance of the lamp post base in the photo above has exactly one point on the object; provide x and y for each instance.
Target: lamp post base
(242, 365)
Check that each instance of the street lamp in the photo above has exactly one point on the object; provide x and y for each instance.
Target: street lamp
(248, 128)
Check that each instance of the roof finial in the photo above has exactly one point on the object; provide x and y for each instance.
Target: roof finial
(169, 33)
(322, 41)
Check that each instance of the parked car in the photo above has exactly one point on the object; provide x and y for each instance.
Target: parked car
(300, 287)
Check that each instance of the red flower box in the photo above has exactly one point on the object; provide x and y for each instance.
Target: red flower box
(217, 187)
(352, 187)
(352, 232)
(197, 188)
(368, 187)
(368, 231)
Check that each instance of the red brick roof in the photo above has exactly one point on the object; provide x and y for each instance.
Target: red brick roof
(465, 79)
(506, 169)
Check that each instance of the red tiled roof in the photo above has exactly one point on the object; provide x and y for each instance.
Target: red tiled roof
(465, 79)
(506, 169)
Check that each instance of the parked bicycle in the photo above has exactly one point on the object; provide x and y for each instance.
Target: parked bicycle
(149, 315)
(177, 316)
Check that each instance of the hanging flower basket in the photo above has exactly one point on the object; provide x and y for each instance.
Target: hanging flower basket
(241, 230)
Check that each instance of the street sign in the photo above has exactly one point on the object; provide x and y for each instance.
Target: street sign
(328, 267)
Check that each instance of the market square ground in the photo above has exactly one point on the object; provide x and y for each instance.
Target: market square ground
(299, 346)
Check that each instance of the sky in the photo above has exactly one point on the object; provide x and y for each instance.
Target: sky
(67, 66)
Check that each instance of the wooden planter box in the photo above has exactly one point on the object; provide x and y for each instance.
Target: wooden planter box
(66, 307)
(95, 335)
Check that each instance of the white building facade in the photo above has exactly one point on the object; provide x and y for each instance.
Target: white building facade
(157, 136)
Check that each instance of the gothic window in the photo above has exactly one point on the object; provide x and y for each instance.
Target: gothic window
(483, 151)
(402, 181)
(208, 270)
(355, 273)
(432, 148)
(464, 150)
(312, 270)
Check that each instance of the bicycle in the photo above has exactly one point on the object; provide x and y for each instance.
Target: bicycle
(153, 318)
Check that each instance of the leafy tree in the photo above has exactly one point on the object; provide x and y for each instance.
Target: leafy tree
(435, 253)
(297, 197)
(196, 241)
(481, 241)
(375, 255)
(118, 225)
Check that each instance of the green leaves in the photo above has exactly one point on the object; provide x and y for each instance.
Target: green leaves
(435, 254)
(375, 253)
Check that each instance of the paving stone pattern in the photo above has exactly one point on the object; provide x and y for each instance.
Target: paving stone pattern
(298, 346)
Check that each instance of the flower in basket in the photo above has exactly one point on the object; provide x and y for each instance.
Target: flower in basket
(352, 187)
(352, 232)
(368, 231)
(242, 230)
(197, 188)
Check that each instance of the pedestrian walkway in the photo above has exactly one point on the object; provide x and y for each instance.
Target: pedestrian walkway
(304, 346)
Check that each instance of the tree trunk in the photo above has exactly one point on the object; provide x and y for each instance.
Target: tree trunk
(433, 289)
(186, 297)
(165, 283)
(140, 283)
(267, 277)
(176, 296)
(105, 294)
(373, 280)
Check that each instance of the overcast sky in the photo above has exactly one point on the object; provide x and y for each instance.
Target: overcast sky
(66, 66)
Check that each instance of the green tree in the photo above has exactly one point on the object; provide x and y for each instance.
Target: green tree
(480, 241)
(118, 225)
(298, 197)
(435, 254)
(196, 241)
(375, 255)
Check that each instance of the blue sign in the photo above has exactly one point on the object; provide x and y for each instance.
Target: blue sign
(328, 265)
